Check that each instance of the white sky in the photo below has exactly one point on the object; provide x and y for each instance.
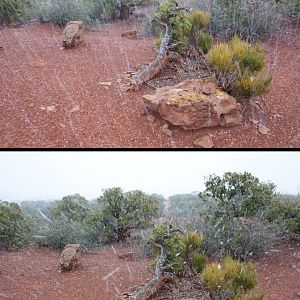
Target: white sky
(52, 175)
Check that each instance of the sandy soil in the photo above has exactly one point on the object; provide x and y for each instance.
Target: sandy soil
(32, 273)
(54, 98)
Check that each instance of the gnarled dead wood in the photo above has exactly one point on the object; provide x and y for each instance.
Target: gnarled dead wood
(162, 58)
(155, 283)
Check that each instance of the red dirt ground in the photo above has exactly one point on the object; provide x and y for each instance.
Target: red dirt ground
(32, 273)
(36, 74)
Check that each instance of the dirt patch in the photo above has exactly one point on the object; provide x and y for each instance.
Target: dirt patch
(54, 98)
(33, 273)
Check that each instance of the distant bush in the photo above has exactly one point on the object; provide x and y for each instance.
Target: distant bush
(230, 279)
(241, 238)
(285, 210)
(238, 68)
(14, 226)
(13, 11)
(122, 212)
(73, 207)
(251, 20)
(60, 12)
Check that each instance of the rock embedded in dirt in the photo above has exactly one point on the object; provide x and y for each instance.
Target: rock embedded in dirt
(165, 129)
(205, 141)
(69, 257)
(129, 256)
(195, 104)
(263, 129)
(73, 34)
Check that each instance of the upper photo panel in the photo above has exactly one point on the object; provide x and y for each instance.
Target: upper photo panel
(149, 74)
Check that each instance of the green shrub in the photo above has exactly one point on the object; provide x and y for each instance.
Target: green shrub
(73, 207)
(199, 262)
(285, 211)
(13, 11)
(122, 212)
(238, 68)
(180, 248)
(205, 42)
(14, 226)
(229, 279)
(250, 21)
(60, 12)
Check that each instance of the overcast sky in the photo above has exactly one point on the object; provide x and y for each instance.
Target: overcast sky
(52, 175)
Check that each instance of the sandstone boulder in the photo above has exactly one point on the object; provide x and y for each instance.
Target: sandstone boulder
(69, 257)
(72, 34)
(194, 104)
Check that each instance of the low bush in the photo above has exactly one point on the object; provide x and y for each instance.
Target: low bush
(229, 279)
(238, 68)
(251, 20)
(181, 248)
(13, 11)
(14, 226)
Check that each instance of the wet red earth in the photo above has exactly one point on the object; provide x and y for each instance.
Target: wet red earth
(33, 273)
(56, 98)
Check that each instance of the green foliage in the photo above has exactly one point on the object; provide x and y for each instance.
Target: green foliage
(184, 204)
(60, 12)
(13, 11)
(125, 211)
(181, 248)
(74, 207)
(285, 210)
(229, 279)
(199, 262)
(205, 42)
(14, 226)
(249, 20)
(238, 194)
(238, 67)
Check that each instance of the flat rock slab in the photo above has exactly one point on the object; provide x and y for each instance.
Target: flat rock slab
(194, 104)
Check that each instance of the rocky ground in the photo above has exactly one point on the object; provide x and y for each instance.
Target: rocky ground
(33, 273)
(51, 97)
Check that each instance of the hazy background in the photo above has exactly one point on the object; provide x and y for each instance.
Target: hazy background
(52, 175)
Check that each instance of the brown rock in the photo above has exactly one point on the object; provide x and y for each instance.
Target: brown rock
(73, 34)
(194, 104)
(263, 129)
(205, 141)
(129, 256)
(69, 257)
(131, 34)
(165, 129)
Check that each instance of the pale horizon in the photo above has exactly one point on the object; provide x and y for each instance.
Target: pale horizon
(53, 175)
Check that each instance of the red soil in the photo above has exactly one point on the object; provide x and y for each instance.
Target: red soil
(32, 273)
(36, 74)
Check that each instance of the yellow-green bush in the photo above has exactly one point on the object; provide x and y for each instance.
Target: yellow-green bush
(198, 262)
(205, 41)
(230, 277)
(238, 66)
(221, 58)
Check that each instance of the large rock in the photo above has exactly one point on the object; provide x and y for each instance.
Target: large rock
(73, 34)
(194, 104)
(69, 257)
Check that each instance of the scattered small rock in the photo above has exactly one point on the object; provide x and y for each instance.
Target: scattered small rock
(205, 141)
(129, 256)
(165, 129)
(263, 129)
(150, 118)
(75, 108)
(51, 108)
(131, 34)
(106, 83)
(69, 257)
